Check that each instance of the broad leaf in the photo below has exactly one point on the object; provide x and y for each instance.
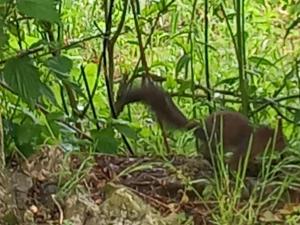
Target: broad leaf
(105, 141)
(39, 9)
(23, 78)
(27, 136)
(126, 130)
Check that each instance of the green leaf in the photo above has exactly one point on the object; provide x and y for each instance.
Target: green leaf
(105, 141)
(38, 43)
(260, 60)
(230, 81)
(171, 82)
(184, 60)
(27, 136)
(184, 85)
(126, 130)
(91, 69)
(60, 65)
(3, 36)
(295, 8)
(47, 92)
(58, 115)
(39, 9)
(23, 78)
(145, 132)
(75, 87)
(297, 116)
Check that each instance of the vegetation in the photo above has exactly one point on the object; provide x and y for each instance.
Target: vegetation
(61, 63)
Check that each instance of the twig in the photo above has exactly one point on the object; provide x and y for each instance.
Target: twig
(105, 68)
(89, 96)
(61, 213)
(2, 155)
(41, 48)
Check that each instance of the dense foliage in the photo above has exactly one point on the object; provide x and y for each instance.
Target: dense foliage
(62, 61)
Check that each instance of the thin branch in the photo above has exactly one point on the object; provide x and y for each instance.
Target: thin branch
(105, 68)
(148, 41)
(140, 41)
(32, 51)
(89, 96)
(206, 54)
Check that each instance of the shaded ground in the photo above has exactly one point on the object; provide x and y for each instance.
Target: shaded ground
(52, 187)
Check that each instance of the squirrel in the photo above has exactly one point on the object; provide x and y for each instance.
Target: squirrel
(236, 131)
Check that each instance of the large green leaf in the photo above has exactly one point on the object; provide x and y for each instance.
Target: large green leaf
(27, 136)
(23, 78)
(105, 140)
(39, 9)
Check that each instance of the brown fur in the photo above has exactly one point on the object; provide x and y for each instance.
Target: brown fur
(236, 133)
(160, 103)
(236, 127)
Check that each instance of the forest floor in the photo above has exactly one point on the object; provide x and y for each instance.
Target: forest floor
(53, 187)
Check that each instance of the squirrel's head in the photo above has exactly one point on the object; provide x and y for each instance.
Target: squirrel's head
(121, 95)
(264, 134)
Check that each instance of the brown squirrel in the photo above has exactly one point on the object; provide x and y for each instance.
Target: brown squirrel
(236, 127)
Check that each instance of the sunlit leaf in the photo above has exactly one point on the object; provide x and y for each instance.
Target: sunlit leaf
(170, 82)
